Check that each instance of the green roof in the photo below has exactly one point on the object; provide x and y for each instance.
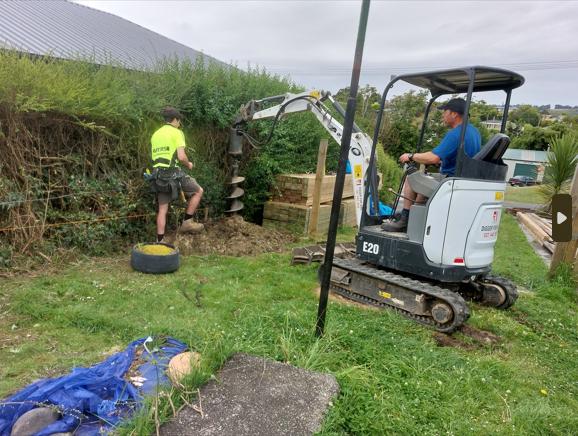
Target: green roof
(526, 155)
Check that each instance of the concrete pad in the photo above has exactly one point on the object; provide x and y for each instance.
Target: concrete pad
(256, 396)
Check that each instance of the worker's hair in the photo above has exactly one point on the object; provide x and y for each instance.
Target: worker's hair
(169, 113)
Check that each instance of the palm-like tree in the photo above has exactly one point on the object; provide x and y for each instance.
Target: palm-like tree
(562, 159)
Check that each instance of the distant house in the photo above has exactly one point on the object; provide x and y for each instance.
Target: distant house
(66, 30)
(492, 124)
(525, 163)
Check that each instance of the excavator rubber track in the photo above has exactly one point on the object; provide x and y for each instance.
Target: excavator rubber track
(427, 304)
(490, 290)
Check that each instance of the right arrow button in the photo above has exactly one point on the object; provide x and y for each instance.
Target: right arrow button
(561, 213)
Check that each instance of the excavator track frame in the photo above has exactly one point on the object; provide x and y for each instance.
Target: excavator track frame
(394, 291)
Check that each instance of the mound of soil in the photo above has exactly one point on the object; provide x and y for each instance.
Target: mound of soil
(232, 236)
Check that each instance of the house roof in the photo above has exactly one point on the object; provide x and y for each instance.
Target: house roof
(67, 30)
(526, 155)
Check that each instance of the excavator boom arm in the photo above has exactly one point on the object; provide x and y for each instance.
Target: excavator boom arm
(312, 101)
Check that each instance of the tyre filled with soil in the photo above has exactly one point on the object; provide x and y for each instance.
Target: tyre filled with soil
(155, 258)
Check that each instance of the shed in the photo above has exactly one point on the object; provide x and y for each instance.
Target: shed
(525, 163)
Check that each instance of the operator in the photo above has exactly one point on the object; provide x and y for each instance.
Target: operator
(168, 146)
(445, 153)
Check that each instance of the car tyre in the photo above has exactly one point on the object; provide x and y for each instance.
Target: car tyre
(154, 263)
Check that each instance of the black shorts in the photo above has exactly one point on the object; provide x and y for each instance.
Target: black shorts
(188, 185)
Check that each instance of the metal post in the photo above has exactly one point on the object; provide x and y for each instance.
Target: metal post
(505, 113)
(364, 218)
(462, 147)
(340, 178)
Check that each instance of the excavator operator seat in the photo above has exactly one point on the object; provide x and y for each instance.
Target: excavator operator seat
(491, 153)
(494, 149)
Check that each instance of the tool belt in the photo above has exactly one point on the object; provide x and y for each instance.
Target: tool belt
(166, 180)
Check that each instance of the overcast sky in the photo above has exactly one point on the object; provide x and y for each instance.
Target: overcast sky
(314, 41)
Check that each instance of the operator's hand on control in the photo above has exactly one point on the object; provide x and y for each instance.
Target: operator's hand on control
(190, 165)
(404, 158)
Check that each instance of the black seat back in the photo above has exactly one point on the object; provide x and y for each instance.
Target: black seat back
(494, 149)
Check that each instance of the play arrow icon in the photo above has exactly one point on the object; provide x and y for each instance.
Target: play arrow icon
(562, 217)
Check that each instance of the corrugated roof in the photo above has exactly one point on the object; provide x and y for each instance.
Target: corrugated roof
(526, 155)
(68, 30)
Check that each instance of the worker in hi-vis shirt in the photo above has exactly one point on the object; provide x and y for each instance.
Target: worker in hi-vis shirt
(167, 150)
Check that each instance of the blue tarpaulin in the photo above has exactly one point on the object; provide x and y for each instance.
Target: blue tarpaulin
(92, 401)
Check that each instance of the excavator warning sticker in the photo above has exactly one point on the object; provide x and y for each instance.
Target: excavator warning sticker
(384, 294)
(357, 171)
(490, 225)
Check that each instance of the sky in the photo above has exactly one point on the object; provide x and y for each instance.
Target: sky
(313, 42)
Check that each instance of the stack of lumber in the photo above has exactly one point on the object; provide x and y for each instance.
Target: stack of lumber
(298, 188)
(540, 228)
(296, 216)
(292, 200)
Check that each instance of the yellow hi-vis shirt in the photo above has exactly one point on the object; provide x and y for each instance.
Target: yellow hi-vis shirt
(164, 144)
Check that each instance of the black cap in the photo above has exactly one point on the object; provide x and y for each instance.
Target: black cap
(169, 113)
(455, 105)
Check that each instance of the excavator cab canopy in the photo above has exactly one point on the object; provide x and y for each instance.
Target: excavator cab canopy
(457, 81)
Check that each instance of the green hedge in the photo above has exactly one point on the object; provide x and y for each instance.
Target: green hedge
(74, 142)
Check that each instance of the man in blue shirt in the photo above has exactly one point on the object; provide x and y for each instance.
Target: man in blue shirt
(445, 153)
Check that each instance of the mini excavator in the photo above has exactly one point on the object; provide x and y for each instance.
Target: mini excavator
(445, 257)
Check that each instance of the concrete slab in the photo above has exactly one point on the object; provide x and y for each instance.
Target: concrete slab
(256, 396)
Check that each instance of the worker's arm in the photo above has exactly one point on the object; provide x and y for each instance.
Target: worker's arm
(182, 156)
(427, 158)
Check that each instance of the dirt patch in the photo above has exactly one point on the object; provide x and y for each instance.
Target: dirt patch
(481, 336)
(444, 340)
(466, 338)
(137, 361)
(232, 236)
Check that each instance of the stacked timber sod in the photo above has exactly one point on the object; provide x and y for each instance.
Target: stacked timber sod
(292, 202)
(539, 227)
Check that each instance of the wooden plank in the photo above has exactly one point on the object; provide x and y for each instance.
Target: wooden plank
(539, 234)
(541, 223)
(322, 154)
(296, 216)
(549, 246)
(299, 188)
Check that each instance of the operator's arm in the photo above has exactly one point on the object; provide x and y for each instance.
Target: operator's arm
(427, 158)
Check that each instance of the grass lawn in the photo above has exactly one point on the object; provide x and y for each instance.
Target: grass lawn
(524, 194)
(394, 378)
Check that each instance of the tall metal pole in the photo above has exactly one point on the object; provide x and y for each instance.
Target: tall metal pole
(340, 178)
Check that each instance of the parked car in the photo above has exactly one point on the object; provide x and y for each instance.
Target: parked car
(522, 181)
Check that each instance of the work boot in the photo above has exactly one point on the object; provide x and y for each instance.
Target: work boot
(189, 226)
(396, 226)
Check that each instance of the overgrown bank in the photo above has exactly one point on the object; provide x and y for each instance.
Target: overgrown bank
(74, 142)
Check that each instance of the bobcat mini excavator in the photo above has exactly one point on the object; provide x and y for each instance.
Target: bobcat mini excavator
(445, 256)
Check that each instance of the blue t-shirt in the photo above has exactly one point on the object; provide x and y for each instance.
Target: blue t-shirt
(447, 150)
